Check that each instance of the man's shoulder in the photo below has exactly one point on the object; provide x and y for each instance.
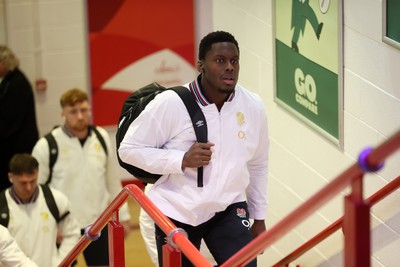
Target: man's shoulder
(56, 133)
(101, 129)
(16, 74)
(247, 95)
(19, 82)
(102, 134)
(166, 100)
(58, 195)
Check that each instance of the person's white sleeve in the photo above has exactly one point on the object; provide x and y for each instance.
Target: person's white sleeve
(144, 143)
(10, 253)
(41, 153)
(258, 169)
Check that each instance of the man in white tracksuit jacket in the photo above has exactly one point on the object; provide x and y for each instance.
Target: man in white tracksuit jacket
(84, 171)
(31, 222)
(235, 159)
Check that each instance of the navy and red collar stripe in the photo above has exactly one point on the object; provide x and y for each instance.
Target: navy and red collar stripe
(19, 201)
(195, 88)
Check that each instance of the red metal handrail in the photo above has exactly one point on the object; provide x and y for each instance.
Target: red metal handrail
(179, 239)
(373, 199)
(353, 175)
(256, 246)
(95, 228)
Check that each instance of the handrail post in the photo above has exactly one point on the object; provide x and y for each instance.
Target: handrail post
(356, 227)
(171, 256)
(116, 244)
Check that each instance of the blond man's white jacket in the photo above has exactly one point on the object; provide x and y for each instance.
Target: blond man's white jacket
(85, 174)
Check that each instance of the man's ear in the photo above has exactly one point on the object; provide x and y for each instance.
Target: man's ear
(200, 66)
(63, 116)
(10, 177)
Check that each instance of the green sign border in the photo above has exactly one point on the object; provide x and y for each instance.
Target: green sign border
(391, 22)
(303, 60)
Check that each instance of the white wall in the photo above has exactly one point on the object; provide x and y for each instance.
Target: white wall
(301, 160)
(49, 37)
(3, 37)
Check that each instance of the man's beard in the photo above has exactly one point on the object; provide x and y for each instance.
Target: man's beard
(79, 127)
(226, 91)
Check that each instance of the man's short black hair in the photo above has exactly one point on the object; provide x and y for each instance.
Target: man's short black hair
(212, 38)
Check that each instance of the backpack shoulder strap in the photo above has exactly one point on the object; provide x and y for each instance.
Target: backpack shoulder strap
(101, 138)
(53, 154)
(198, 121)
(50, 201)
(4, 211)
(51, 204)
(197, 116)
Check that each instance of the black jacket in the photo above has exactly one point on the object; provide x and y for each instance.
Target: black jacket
(18, 127)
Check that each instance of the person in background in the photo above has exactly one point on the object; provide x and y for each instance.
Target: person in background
(11, 254)
(31, 222)
(235, 159)
(18, 126)
(146, 226)
(85, 170)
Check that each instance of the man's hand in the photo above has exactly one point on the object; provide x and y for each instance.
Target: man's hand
(257, 228)
(59, 237)
(199, 154)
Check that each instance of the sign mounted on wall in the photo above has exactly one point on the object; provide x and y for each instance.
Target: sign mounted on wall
(308, 63)
(132, 44)
(391, 22)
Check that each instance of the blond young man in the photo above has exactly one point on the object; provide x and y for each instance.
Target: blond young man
(84, 171)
